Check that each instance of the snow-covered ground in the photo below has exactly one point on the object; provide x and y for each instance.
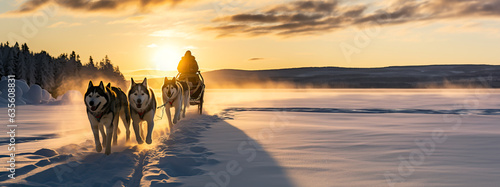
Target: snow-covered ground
(276, 138)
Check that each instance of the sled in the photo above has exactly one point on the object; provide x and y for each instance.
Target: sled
(197, 84)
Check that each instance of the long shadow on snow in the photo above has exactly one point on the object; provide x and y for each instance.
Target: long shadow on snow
(242, 160)
(197, 155)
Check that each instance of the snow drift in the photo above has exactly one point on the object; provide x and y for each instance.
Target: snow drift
(35, 95)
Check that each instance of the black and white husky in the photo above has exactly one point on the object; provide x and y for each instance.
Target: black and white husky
(104, 106)
(175, 94)
(142, 108)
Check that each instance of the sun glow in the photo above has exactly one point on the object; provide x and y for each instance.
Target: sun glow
(166, 57)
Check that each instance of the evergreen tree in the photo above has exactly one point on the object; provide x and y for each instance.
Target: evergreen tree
(16, 47)
(91, 63)
(108, 67)
(72, 56)
(31, 73)
(79, 64)
(25, 48)
(2, 71)
(10, 68)
(45, 74)
(70, 66)
(21, 66)
(101, 65)
(5, 54)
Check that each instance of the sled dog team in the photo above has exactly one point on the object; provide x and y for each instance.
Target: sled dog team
(105, 104)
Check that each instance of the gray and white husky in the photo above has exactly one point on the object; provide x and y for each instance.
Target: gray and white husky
(104, 106)
(175, 94)
(142, 108)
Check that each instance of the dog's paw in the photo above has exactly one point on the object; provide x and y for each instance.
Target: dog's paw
(98, 148)
(175, 121)
(108, 151)
(140, 141)
(149, 141)
(183, 115)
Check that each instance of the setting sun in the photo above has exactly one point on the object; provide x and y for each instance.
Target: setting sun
(165, 57)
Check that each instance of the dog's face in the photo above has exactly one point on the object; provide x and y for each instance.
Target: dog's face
(169, 88)
(96, 97)
(139, 94)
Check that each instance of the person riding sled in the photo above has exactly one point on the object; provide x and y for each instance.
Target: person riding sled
(188, 64)
(189, 70)
(190, 76)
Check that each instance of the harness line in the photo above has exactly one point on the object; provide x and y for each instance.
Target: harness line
(163, 106)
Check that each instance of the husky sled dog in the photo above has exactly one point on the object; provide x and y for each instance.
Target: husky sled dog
(104, 106)
(142, 108)
(175, 94)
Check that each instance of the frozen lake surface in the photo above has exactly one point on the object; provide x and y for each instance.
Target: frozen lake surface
(277, 138)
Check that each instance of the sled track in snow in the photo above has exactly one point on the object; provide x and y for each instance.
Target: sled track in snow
(137, 176)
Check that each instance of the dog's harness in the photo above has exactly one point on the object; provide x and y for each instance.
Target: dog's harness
(171, 100)
(150, 106)
(99, 116)
(141, 115)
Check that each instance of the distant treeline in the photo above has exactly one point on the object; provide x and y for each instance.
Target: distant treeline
(430, 76)
(56, 75)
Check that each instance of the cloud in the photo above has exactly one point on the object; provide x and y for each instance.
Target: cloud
(255, 59)
(313, 17)
(32, 5)
(63, 24)
(133, 19)
(93, 5)
(468, 27)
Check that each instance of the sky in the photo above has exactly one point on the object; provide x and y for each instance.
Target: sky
(259, 34)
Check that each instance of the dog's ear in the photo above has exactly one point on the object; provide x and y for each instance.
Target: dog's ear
(109, 85)
(145, 82)
(101, 85)
(132, 82)
(165, 80)
(91, 84)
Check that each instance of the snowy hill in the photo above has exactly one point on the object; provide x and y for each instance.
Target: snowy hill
(337, 77)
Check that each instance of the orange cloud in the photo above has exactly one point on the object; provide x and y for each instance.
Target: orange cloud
(93, 5)
(307, 17)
